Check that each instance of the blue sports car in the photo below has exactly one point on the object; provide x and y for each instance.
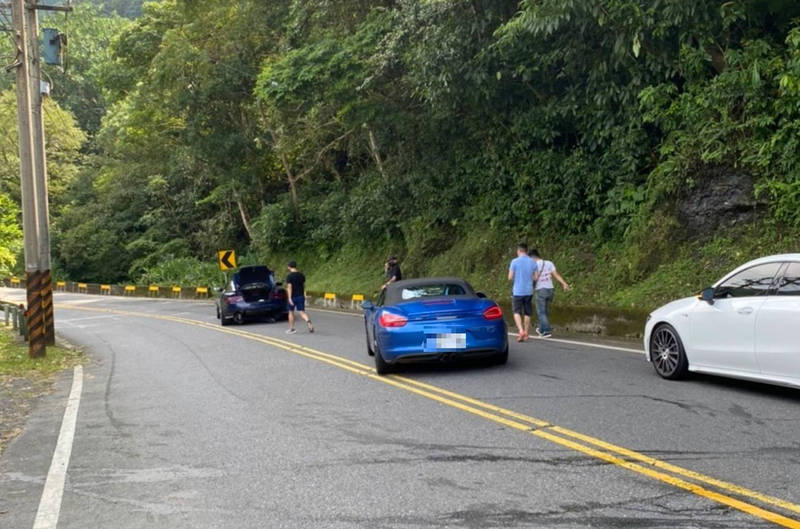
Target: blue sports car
(252, 293)
(434, 319)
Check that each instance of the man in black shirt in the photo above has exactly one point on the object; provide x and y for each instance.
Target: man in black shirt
(296, 290)
(393, 272)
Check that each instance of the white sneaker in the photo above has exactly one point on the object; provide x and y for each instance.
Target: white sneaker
(538, 332)
(291, 331)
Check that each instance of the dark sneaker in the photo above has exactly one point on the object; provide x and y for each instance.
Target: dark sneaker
(546, 335)
(310, 327)
(291, 331)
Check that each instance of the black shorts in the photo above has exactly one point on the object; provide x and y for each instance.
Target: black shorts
(522, 305)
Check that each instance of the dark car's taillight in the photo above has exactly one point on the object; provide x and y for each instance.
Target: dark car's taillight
(232, 300)
(493, 313)
(389, 319)
(280, 295)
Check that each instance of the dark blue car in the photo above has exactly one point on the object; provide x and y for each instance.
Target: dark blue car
(434, 319)
(252, 294)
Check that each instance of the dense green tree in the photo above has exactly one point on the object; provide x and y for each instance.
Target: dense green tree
(10, 235)
(64, 140)
(314, 125)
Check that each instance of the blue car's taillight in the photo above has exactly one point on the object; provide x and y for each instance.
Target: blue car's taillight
(389, 319)
(232, 300)
(493, 313)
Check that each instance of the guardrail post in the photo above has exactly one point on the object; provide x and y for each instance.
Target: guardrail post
(23, 323)
(357, 298)
(6, 315)
(15, 318)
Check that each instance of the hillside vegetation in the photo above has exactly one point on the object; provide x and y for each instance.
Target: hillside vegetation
(646, 146)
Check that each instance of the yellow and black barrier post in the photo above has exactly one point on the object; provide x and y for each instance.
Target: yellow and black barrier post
(34, 315)
(47, 307)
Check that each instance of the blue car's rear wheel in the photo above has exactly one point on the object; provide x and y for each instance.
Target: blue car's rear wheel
(501, 358)
(238, 318)
(370, 351)
(381, 366)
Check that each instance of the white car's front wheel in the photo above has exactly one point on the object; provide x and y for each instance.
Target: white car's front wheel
(667, 353)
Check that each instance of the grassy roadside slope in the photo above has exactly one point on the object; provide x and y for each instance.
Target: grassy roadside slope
(23, 379)
(609, 277)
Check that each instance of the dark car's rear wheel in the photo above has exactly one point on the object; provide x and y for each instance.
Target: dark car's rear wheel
(667, 353)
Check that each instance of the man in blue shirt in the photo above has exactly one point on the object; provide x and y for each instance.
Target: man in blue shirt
(521, 272)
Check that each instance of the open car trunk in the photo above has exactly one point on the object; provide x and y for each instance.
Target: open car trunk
(253, 292)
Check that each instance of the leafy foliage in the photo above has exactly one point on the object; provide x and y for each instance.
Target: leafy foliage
(439, 130)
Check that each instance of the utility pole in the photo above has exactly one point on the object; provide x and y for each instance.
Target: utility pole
(40, 171)
(35, 315)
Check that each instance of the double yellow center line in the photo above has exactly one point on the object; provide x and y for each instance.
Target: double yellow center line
(729, 494)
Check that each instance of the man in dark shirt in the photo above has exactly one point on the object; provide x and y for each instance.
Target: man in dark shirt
(393, 272)
(296, 291)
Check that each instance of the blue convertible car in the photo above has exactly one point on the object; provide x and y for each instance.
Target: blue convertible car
(433, 319)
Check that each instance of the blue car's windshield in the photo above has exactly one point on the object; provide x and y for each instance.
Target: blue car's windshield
(430, 291)
(412, 293)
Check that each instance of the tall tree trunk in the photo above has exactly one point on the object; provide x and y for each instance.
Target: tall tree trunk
(295, 201)
(290, 177)
(243, 214)
(373, 147)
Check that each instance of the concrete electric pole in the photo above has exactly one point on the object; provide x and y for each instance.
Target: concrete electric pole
(36, 87)
(35, 314)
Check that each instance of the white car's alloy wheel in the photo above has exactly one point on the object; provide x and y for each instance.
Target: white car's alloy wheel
(667, 353)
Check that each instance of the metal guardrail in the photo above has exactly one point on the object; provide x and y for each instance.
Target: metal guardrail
(152, 291)
(326, 299)
(14, 316)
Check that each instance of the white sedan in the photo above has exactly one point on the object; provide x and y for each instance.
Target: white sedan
(746, 326)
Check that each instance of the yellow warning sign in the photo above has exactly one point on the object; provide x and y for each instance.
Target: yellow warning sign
(227, 259)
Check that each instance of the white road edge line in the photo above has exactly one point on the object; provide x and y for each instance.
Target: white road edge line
(586, 344)
(50, 504)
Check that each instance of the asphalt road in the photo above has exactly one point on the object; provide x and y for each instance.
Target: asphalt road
(184, 424)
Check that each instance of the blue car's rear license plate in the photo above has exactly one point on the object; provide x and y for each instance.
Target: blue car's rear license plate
(438, 342)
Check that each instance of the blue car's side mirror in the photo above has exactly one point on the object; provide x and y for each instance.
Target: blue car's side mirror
(367, 305)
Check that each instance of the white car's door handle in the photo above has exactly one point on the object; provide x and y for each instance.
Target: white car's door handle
(745, 310)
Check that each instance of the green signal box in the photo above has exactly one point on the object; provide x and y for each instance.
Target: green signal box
(53, 45)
